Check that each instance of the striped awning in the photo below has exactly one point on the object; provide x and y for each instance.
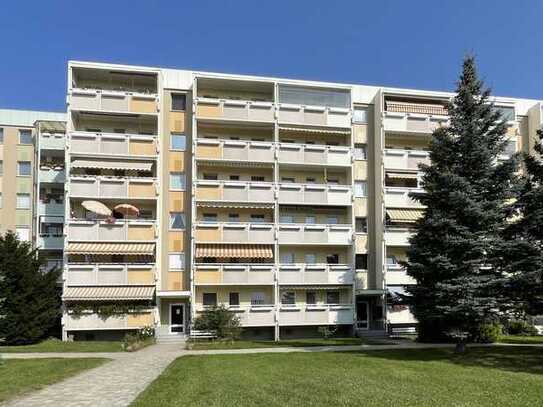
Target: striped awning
(405, 215)
(315, 131)
(112, 165)
(236, 163)
(226, 251)
(422, 108)
(234, 205)
(111, 248)
(117, 293)
(314, 287)
(401, 175)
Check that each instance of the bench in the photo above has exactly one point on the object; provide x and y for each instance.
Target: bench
(401, 330)
(195, 334)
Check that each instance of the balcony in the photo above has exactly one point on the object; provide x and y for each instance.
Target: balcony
(315, 194)
(234, 150)
(53, 175)
(399, 197)
(228, 109)
(52, 141)
(314, 154)
(91, 322)
(112, 101)
(397, 236)
(234, 274)
(315, 234)
(315, 274)
(405, 159)
(234, 233)
(51, 208)
(113, 187)
(319, 314)
(412, 123)
(314, 115)
(110, 274)
(82, 142)
(50, 242)
(234, 191)
(396, 275)
(121, 230)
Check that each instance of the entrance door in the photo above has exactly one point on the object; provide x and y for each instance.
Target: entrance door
(362, 314)
(177, 318)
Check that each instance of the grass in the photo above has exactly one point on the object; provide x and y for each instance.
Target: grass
(289, 343)
(524, 340)
(493, 377)
(54, 345)
(19, 376)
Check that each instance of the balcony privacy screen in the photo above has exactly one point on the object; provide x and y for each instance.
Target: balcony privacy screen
(314, 96)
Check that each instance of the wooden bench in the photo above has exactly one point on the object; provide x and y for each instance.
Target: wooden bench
(195, 335)
(401, 330)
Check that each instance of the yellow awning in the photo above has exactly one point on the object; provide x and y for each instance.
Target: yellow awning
(315, 131)
(117, 293)
(405, 215)
(422, 108)
(247, 251)
(234, 205)
(112, 165)
(111, 248)
(401, 175)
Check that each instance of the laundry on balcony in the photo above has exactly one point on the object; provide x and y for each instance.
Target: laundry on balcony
(405, 215)
(112, 165)
(109, 293)
(244, 251)
(111, 248)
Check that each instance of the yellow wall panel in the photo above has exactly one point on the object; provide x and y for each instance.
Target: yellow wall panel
(208, 110)
(143, 105)
(360, 133)
(208, 151)
(208, 234)
(176, 201)
(360, 207)
(141, 277)
(140, 320)
(141, 232)
(141, 190)
(176, 122)
(208, 192)
(176, 241)
(142, 147)
(207, 277)
(174, 281)
(360, 170)
(361, 242)
(176, 162)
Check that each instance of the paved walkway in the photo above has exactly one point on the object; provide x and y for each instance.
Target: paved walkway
(118, 382)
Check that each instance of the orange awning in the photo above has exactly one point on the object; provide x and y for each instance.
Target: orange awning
(111, 248)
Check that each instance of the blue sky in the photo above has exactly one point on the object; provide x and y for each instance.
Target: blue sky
(416, 44)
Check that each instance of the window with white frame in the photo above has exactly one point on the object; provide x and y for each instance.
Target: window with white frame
(176, 261)
(360, 115)
(23, 201)
(178, 142)
(360, 189)
(209, 217)
(310, 258)
(391, 260)
(286, 219)
(177, 181)
(25, 137)
(360, 152)
(288, 298)
(209, 299)
(177, 221)
(310, 219)
(24, 168)
(23, 233)
(287, 258)
(311, 297)
(179, 102)
(332, 297)
(258, 298)
(361, 225)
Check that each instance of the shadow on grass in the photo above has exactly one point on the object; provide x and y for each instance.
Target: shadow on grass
(513, 359)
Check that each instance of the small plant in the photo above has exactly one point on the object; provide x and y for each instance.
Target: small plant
(487, 333)
(134, 341)
(517, 327)
(327, 332)
(220, 320)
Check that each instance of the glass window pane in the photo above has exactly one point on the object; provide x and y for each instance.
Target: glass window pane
(25, 137)
(287, 258)
(177, 261)
(210, 299)
(23, 201)
(179, 101)
(310, 258)
(24, 168)
(360, 115)
(332, 297)
(1, 135)
(178, 142)
(177, 180)
(257, 298)
(314, 96)
(288, 298)
(177, 220)
(361, 225)
(234, 299)
(311, 297)
(360, 152)
(360, 189)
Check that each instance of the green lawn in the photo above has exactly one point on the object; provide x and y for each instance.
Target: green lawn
(18, 376)
(519, 339)
(290, 343)
(59, 346)
(482, 377)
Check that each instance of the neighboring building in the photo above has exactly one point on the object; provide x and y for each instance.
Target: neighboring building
(285, 200)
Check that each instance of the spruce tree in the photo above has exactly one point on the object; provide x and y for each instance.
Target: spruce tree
(29, 297)
(454, 253)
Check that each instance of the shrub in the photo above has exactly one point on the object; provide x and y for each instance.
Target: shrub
(327, 331)
(487, 333)
(520, 328)
(223, 322)
(134, 341)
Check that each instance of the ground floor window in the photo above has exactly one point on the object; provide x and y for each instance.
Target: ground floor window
(210, 299)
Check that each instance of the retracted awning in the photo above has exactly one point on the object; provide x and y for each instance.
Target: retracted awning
(244, 251)
(110, 293)
(405, 215)
(112, 165)
(234, 205)
(315, 131)
(422, 108)
(315, 287)
(111, 248)
(401, 175)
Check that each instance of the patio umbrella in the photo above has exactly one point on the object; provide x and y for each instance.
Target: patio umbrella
(127, 209)
(96, 207)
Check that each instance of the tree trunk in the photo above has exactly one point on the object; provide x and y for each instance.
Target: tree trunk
(460, 347)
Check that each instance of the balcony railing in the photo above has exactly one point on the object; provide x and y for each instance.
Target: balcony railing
(235, 232)
(52, 141)
(209, 108)
(292, 233)
(235, 150)
(315, 274)
(110, 274)
(399, 197)
(52, 175)
(121, 230)
(314, 154)
(405, 159)
(319, 314)
(113, 187)
(89, 322)
(82, 142)
(396, 275)
(314, 115)
(315, 194)
(50, 242)
(254, 274)
(234, 191)
(412, 122)
(252, 315)
(397, 236)
(51, 208)
(113, 101)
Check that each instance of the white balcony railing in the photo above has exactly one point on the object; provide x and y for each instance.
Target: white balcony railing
(52, 175)
(234, 232)
(405, 159)
(396, 275)
(314, 115)
(210, 108)
(314, 154)
(254, 274)
(110, 274)
(113, 187)
(91, 322)
(412, 122)
(292, 233)
(112, 101)
(252, 315)
(82, 142)
(51, 208)
(319, 314)
(50, 242)
(236, 150)
(316, 194)
(234, 191)
(397, 236)
(120, 230)
(316, 274)
(399, 197)
(52, 141)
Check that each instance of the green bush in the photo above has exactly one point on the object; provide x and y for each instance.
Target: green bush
(133, 341)
(220, 320)
(487, 333)
(520, 328)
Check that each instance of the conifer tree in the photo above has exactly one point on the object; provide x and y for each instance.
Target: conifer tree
(455, 251)
(29, 297)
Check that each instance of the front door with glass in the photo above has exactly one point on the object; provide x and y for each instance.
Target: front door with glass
(177, 318)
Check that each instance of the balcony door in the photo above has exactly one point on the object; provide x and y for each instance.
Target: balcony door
(177, 318)
(362, 314)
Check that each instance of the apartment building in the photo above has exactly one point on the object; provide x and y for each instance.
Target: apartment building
(285, 200)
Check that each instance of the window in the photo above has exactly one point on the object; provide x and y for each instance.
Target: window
(178, 142)
(23, 201)
(1, 135)
(360, 115)
(257, 178)
(310, 258)
(288, 179)
(234, 177)
(311, 297)
(233, 217)
(310, 219)
(257, 218)
(210, 217)
(361, 261)
(332, 297)
(177, 261)
(310, 180)
(360, 152)
(508, 112)
(286, 219)
(258, 298)
(177, 220)
(177, 181)
(287, 258)
(234, 299)
(288, 298)
(25, 137)
(361, 225)
(179, 101)
(23, 233)
(24, 168)
(1, 167)
(391, 261)
(314, 96)
(332, 220)
(334, 181)
(360, 189)
(332, 258)
(210, 177)
(1, 202)
(210, 299)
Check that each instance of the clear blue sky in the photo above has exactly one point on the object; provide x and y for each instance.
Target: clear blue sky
(416, 44)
